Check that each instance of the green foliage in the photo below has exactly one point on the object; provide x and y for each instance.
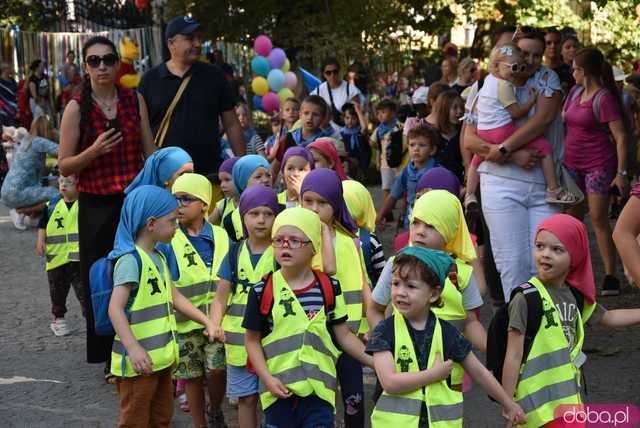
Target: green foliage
(32, 15)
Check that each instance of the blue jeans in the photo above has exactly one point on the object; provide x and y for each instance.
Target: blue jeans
(299, 412)
(513, 209)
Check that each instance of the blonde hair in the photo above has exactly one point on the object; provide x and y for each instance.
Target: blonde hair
(502, 51)
(464, 64)
(42, 127)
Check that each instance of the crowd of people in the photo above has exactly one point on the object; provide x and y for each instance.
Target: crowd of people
(249, 266)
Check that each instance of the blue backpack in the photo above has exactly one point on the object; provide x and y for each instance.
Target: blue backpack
(101, 286)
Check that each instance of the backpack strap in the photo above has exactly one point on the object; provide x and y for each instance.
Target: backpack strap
(234, 252)
(534, 314)
(227, 224)
(573, 94)
(266, 299)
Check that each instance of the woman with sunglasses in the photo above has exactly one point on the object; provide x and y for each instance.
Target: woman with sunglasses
(336, 91)
(512, 183)
(104, 137)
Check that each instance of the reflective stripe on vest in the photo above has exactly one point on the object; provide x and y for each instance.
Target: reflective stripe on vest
(152, 324)
(549, 377)
(197, 282)
(444, 406)
(235, 352)
(349, 271)
(62, 239)
(298, 351)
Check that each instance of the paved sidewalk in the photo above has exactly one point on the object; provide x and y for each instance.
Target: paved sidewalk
(45, 382)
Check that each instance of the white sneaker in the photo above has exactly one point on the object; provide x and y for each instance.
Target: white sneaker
(29, 221)
(17, 219)
(59, 327)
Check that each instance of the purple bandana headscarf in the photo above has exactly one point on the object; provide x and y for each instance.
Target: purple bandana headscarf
(297, 151)
(439, 178)
(227, 165)
(258, 196)
(326, 183)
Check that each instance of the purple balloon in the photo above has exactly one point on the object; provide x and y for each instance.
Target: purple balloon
(276, 58)
(290, 80)
(270, 102)
(262, 45)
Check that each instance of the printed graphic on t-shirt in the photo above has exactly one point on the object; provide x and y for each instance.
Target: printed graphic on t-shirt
(568, 313)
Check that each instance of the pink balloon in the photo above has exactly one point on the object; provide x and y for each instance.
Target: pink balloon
(270, 102)
(276, 58)
(262, 45)
(290, 80)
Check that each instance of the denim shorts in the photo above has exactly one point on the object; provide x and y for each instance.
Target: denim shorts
(241, 383)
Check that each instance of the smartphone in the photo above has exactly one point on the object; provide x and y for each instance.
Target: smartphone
(112, 124)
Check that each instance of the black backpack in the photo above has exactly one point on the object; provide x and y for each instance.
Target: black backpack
(395, 150)
(497, 332)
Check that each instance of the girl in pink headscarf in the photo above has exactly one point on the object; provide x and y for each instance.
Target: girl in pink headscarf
(566, 287)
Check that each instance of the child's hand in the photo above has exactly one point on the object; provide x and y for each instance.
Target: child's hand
(40, 246)
(214, 332)
(275, 386)
(140, 360)
(295, 181)
(514, 415)
(442, 369)
(381, 224)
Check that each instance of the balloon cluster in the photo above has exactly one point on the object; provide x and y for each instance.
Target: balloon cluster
(273, 82)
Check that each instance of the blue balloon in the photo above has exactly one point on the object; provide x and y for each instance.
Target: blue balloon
(260, 66)
(276, 79)
(257, 102)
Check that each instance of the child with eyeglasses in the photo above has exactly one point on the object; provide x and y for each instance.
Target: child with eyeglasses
(497, 110)
(294, 320)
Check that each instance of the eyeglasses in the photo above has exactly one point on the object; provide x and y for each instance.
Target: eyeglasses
(292, 243)
(515, 68)
(186, 200)
(333, 72)
(94, 60)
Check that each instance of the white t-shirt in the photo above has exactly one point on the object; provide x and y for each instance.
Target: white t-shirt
(492, 112)
(339, 94)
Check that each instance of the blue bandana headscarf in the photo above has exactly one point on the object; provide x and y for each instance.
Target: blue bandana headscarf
(383, 129)
(243, 169)
(160, 167)
(350, 135)
(438, 261)
(142, 203)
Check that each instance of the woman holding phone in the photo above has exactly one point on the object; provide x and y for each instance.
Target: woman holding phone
(104, 138)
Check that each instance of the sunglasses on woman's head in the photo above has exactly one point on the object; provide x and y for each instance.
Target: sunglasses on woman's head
(94, 60)
(515, 67)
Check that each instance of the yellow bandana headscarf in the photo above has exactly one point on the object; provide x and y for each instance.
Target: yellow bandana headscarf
(443, 211)
(196, 185)
(360, 204)
(309, 223)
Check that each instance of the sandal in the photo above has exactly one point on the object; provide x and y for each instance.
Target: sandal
(110, 379)
(560, 195)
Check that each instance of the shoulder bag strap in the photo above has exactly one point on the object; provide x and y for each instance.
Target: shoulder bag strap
(164, 125)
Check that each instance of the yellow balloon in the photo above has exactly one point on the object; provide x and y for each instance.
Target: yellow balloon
(286, 66)
(285, 93)
(260, 86)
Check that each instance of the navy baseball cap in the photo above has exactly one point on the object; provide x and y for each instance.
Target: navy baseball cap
(181, 25)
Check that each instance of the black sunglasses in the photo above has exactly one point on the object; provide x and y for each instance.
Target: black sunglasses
(335, 72)
(94, 60)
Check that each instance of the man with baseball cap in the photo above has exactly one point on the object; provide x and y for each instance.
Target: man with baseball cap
(190, 97)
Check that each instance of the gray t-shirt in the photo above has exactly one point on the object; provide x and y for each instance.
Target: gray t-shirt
(567, 308)
(471, 297)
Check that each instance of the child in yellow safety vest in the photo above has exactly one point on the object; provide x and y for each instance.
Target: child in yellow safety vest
(545, 380)
(438, 223)
(196, 253)
(246, 263)
(413, 351)
(229, 202)
(58, 242)
(321, 192)
(289, 319)
(145, 349)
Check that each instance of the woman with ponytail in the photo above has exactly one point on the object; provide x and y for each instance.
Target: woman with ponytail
(595, 150)
(104, 137)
